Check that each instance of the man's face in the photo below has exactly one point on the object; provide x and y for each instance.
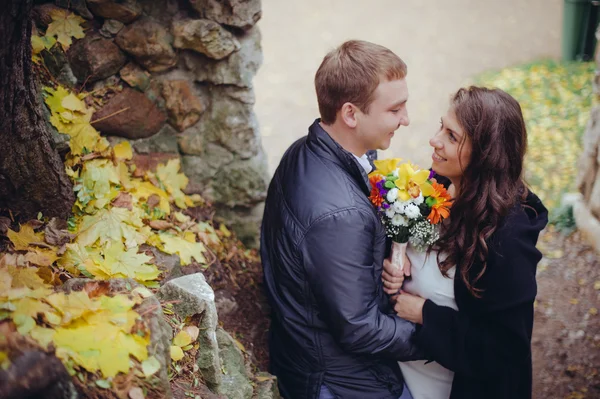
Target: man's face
(387, 113)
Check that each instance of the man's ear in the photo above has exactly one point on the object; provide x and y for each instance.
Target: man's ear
(348, 115)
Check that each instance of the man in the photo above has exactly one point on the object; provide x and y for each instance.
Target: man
(333, 333)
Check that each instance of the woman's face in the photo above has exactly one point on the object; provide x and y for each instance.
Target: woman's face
(451, 148)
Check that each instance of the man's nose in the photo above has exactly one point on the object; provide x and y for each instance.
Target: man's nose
(404, 120)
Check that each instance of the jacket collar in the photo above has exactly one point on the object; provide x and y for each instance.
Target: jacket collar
(321, 143)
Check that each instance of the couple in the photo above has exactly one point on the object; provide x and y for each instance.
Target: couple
(461, 326)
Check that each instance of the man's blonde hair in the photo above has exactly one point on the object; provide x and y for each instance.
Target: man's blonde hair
(351, 73)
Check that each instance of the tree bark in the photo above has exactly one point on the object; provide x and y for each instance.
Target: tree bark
(32, 175)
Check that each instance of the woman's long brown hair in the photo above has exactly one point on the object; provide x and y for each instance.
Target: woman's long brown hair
(491, 183)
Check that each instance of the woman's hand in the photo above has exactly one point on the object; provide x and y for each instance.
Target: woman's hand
(409, 307)
(392, 277)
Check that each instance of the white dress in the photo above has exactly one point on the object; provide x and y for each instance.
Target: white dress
(428, 381)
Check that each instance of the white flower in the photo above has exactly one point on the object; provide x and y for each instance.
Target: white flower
(412, 211)
(399, 220)
(392, 195)
(390, 213)
(398, 207)
(419, 200)
(395, 173)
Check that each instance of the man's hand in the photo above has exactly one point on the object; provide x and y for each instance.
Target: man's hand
(393, 277)
(409, 307)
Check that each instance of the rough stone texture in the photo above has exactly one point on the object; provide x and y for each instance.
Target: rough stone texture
(239, 13)
(151, 311)
(183, 106)
(135, 76)
(141, 118)
(110, 28)
(149, 43)
(93, 58)
(164, 141)
(163, 11)
(78, 6)
(242, 182)
(236, 380)
(123, 10)
(244, 221)
(266, 387)
(238, 69)
(204, 36)
(196, 297)
(202, 168)
(587, 224)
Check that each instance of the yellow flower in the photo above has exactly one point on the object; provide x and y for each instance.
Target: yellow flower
(386, 166)
(412, 182)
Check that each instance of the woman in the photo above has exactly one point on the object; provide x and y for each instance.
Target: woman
(473, 292)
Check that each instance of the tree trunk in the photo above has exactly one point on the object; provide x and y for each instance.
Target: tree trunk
(32, 175)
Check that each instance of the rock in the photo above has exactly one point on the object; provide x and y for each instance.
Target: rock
(122, 10)
(244, 221)
(183, 106)
(164, 141)
(204, 36)
(202, 169)
(149, 43)
(41, 14)
(238, 69)
(56, 61)
(135, 76)
(266, 387)
(236, 379)
(196, 298)
(587, 224)
(239, 13)
(110, 28)
(78, 6)
(242, 182)
(149, 162)
(140, 119)
(163, 11)
(94, 58)
(589, 160)
(151, 312)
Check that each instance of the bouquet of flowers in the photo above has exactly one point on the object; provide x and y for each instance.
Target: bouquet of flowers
(410, 203)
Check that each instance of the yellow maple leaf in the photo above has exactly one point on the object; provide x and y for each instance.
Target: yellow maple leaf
(182, 339)
(123, 151)
(121, 263)
(174, 182)
(105, 348)
(176, 353)
(182, 247)
(31, 307)
(74, 258)
(73, 305)
(41, 257)
(108, 225)
(97, 176)
(24, 237)
(144, 190)
(64, 26)
(42, 335)
(25, 277)
(5, 281)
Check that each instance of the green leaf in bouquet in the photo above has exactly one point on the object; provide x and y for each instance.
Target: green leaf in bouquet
(389, 184)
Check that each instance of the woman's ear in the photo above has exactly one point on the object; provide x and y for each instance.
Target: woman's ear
(348, 115)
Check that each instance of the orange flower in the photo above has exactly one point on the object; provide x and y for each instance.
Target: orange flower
(375, 197)
(440, 209)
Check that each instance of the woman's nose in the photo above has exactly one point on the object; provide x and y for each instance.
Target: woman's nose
(435, 143)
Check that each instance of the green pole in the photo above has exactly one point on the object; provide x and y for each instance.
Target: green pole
(575, 16)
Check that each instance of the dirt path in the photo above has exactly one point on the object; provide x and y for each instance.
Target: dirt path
(566, 337)
(443, 42)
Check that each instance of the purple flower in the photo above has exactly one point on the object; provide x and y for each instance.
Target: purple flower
(385, 205)
(431, 174)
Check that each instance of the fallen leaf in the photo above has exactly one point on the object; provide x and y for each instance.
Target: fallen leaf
(123, 151)
(65, 26)
(193, 332)
(26, 277)
(593, 311)
(159, 224)
(150, 366)
(25, 237)
(182, 339)
(4, 225)
(41, 257)
(123, 200)
(136, 393)
(176, 353)
(184, 248)
(574, 301)
(56, 233)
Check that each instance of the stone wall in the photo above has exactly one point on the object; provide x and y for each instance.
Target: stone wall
(587, 207)
(175, 77)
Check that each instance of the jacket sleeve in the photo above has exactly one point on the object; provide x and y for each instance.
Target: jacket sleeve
(337, 254)
(494, 331)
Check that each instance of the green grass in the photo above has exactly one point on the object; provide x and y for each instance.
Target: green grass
(556, 99)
